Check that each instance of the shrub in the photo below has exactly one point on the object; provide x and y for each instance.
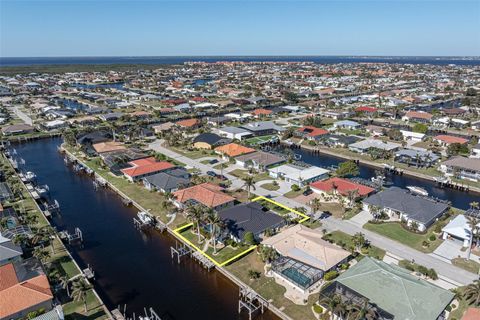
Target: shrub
(295, 187)
(249, 238)
(330, 275)
(432, 274)
(317, 309)
(253, 274)
(344, 266)
(432, 238)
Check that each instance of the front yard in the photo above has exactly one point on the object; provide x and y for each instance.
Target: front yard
(344, 240)
(424, 242)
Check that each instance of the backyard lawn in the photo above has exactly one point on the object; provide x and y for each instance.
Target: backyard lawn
(395, 231)
(269, 289)
(75, 309)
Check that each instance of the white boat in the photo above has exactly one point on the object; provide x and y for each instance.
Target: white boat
(144, 217)
(29, 176)
(418, 190)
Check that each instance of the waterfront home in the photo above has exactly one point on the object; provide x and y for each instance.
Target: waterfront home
(23, 291)
(9, 251)
(342, 187)
(232, 150)
(399, 204)
(235, 133)
(84, 121)
(249, 217)
(347, 124)
(366, 145)
(15, 129)
(5, 193)
(209, 141)
(377, 283)
(207, 194)
(310, 132)
(304, 256)
(300, 176)
(462, 168)
(259, 160)
(141, 168)
(54, 125)
(415, 157)
(337, 140)
(167, 181)
(117, 160)
(108, 146)
(418, 116)
(458, 230)
(445, 140)
(91, 138)
(263, 128)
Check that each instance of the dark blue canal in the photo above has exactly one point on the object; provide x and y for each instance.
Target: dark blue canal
(131, 267)
(459, 199)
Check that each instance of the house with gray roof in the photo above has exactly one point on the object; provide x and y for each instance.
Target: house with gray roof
(415, 157)
(391, 290)
(262, 128)
(462, 168)
(402, 205)
(365, 145)
(249, 217)
(235, 133)
(9, 252)
(168, 181)
(259, 160)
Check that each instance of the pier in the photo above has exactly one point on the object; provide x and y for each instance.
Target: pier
(251, 301)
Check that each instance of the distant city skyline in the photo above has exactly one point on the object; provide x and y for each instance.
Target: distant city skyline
(233, 28)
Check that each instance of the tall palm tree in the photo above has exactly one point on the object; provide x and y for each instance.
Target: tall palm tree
(80, 290)
(472, 293)
(363, 311)
(249, 183)
(195, 213)
(333, 304)
(474, 205)
(41, 254)
(315, 204)
(64, 283)
(474, 230)
(215, 225)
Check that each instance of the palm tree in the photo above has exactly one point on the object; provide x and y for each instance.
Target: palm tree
(363, 311)
(472, 293)
(359, 240)
(249, 183)
(334, 305)
(195, 214)
(474, 205)
(41, 254)
(351, 196)
(80, 289)
(64, 283)
(268, 254)
(315, 204)
(215, 222)
(473, 223)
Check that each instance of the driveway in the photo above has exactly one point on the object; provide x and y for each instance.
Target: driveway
(361, 218)
(449, 250)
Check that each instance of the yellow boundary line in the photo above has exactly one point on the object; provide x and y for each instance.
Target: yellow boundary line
(218, 264)
(305, 217)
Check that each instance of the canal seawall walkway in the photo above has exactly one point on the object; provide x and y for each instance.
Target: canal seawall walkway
(222, 270)
(375, 164)
(57, 237)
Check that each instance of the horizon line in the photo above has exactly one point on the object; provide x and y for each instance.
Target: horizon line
(246, 56)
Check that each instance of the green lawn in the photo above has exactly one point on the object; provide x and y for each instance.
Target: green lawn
(293, 194)
(75, 309)
(269, 289)
(469, 265)
(239, 173)
(192, 154)
(270, 186)
(223, 254)
(345, 241)
(395, 231)
(259, 140)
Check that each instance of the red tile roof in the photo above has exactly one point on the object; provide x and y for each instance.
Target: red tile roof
(16, 296)
(188, 123)
(208, 194)
(418, 115)
(144, 166)
(233, 150)
(451, 139)
(258, 112)
(343, 186)
(366, 109)
(471, 314)
(312, 131)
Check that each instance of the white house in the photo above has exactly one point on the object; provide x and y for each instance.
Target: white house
(412, 136)
(298, 175)
(458, 230)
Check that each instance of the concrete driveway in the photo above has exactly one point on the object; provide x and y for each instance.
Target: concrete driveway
(361, 218)
(451, 249)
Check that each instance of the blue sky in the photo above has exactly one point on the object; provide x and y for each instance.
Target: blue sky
(156, 28)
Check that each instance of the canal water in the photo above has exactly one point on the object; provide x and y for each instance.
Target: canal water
(459, 199)
(132, 268)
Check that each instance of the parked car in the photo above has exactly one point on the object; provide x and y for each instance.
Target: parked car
(221, 177)
(213, 161)
(325, 215)
(211, 174)
(307, 192)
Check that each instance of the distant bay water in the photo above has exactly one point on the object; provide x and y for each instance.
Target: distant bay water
(12, 61)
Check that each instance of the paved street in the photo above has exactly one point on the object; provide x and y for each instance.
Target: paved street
(22, 115)
(442, 267)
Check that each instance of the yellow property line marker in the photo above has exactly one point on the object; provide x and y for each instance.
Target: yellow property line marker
(304, 216)
(218, 264)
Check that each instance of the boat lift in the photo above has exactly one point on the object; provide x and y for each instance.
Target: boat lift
(251, 301)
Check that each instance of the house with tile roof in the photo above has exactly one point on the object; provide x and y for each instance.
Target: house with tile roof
(304, 256)
(22, 293)
(310, 132)
(207, 194)
(145, 167)
(108, 146)
(233, 150)
(418, 116)
(341, 186)
(379, 284)
(446, 140)
(188, 123)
